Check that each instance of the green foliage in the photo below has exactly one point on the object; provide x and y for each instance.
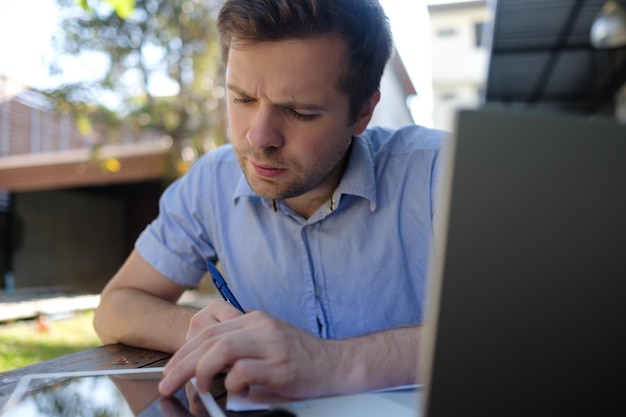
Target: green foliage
(123, 8)
(24, 343)
(143, 41)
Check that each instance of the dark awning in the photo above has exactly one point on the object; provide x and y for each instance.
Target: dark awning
(542, 57)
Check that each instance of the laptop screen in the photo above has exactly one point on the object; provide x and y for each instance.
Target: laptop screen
(527, 299)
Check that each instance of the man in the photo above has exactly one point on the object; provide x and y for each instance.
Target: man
(322, 228)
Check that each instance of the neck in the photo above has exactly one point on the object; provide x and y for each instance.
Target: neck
(307, 208)
(307, 204)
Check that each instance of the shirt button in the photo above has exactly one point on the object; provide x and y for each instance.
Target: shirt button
(318, 291)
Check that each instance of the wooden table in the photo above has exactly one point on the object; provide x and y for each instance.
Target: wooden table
(101, 358)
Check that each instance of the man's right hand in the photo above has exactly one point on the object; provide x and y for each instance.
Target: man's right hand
(215, 312)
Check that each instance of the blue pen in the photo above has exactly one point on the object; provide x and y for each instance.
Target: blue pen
(220, 284)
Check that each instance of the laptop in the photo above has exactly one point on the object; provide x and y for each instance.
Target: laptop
(527, 298)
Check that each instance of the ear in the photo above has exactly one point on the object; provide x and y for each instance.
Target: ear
(366, 114)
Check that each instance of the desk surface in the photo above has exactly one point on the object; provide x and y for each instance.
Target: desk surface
(99, 358)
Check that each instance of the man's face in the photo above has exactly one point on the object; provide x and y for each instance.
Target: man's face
(289, 124)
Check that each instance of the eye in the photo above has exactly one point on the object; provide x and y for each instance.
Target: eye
(300, 116)
(237, 100)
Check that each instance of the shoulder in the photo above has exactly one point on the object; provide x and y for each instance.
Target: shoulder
(407, 139)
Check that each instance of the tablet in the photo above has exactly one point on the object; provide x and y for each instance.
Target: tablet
(119, 393)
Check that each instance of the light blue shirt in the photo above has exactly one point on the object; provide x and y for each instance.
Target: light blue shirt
(351, 269)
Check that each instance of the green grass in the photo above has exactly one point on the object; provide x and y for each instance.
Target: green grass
(22, 343)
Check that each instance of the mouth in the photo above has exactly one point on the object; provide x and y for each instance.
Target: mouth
(266, 171)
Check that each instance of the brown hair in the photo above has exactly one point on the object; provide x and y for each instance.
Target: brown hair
(361, 23)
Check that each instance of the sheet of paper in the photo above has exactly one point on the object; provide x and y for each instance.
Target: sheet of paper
(260, 398)
(406, 403)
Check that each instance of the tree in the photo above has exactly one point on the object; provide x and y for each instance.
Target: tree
(144, 41)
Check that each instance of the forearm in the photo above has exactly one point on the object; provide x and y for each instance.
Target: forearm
(135, 318)
(379, 360)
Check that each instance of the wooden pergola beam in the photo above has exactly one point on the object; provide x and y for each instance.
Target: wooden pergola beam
(76, 168)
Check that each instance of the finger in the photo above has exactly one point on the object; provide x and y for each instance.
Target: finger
(247, 372)
(204, 335)
(181, 367)
(215, 312)
(223, 311)
(226, 351)
(204, 358)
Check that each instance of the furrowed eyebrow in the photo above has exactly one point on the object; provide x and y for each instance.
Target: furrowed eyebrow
(237, 90)
(301, 106)
(296, 105)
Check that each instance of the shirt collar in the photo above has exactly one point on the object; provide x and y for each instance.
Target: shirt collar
(359, 179)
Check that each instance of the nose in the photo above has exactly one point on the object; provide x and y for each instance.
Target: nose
(264, 131)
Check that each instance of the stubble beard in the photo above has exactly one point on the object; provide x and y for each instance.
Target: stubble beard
(300, 181)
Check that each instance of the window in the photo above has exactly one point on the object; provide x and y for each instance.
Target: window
(446, 32)
(478, 33)
(450, 96)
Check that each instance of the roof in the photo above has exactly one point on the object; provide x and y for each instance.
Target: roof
(445, 5)
(542, 57)
(41, 150)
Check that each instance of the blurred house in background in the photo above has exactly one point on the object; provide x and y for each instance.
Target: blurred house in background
(70, 210)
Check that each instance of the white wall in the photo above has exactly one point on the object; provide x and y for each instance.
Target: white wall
(392, 110)
(459, 67)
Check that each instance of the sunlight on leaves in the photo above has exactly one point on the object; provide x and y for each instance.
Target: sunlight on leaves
(182, 167)
(84, 125)
(111, 165)
(84, 4)
(123, 8)
(149, 50)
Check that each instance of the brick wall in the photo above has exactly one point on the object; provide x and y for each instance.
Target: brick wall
(27, 125)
